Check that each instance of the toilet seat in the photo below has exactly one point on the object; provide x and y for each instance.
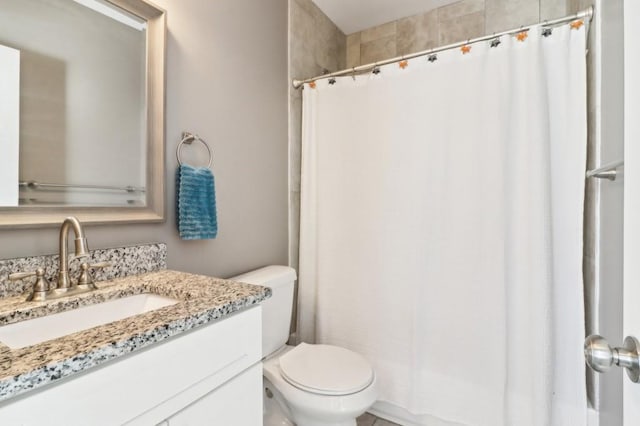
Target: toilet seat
(326, 369)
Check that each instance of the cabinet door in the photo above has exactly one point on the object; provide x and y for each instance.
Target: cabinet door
(236, 403)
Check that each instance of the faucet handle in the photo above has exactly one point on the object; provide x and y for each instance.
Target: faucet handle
(86, 279)
(40, 287)
(21, 275)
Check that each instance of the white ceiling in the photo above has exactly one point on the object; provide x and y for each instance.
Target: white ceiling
(356, 15)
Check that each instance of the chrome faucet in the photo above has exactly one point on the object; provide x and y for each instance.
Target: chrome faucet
(82, 250)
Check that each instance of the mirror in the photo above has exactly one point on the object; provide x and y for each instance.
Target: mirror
(81, 111)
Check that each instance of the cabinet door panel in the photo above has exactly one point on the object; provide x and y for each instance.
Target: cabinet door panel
(236, 403)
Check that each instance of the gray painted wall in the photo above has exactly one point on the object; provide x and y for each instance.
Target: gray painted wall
(226, 81)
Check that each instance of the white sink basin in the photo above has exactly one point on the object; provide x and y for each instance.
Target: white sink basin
(38, 330)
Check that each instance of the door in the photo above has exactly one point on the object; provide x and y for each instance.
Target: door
(610, 18)
(631, 399)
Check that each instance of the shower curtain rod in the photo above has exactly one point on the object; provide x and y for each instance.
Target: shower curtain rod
(585, 14)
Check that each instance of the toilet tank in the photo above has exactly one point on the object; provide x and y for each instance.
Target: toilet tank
(276, 310)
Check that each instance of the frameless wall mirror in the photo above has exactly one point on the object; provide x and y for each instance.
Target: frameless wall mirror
(81, 111)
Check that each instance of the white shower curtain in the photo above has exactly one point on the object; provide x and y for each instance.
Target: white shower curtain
(441, 229)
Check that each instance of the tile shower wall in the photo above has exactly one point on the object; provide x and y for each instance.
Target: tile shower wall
(316, 45)
(448, 24)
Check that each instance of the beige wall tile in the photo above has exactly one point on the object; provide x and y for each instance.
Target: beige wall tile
(461, 8)
(342, 54)
(353, 39)
(353, 50)
(301, 26)
(377, 50)
(302, 63)
(326, 54)
(583, 4)
(327, 39)
(416, 33)
(551, 9)
(318, 14)
(306, 5)
(381, 31)
(575, 6)
(462, 28)
(315, 44)
(504, 15)
(295, 150)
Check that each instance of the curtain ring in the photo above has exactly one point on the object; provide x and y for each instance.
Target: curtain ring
(188, 138)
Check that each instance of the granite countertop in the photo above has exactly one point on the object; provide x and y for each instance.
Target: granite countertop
(201, 300)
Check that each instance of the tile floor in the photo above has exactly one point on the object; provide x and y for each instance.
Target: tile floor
(370, 420)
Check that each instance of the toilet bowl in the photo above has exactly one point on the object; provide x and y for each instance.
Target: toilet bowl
(337, 401)
(306, 385)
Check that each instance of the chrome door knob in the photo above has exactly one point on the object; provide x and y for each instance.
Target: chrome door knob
(600, 356)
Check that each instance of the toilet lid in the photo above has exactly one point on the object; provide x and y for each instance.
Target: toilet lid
(326, 369)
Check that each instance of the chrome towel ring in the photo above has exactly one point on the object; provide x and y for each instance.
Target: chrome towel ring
(188, 138)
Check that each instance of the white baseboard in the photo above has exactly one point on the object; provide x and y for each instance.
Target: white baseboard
(402, 417)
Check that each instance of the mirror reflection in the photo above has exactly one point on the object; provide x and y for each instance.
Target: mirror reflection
(73, 107)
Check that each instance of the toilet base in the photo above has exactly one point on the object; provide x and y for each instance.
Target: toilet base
(275, 412)
(278, 413)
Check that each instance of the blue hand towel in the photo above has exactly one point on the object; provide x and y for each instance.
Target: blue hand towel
(196, 203)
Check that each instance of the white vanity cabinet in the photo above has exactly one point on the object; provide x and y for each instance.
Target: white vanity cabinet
(210, 375)
(226, 405)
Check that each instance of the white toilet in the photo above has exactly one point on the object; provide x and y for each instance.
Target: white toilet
(306, 385)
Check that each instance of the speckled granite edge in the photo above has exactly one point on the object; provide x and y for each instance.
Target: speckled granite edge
(202, 300)
(125, 261)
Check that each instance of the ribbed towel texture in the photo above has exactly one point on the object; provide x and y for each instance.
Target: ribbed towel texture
(196, 203)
